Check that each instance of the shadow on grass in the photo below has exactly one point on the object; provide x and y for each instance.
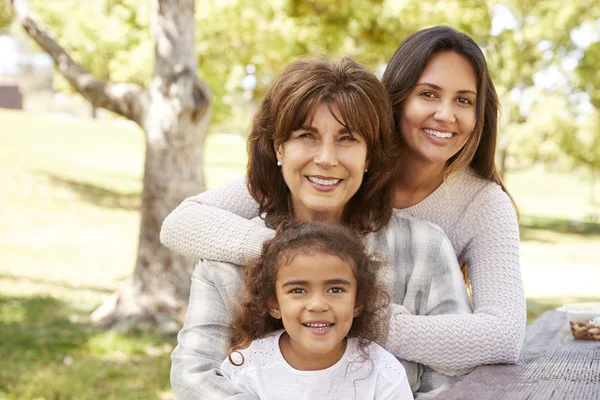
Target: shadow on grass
(49, 350)
(531, 225)
(61, 284)
(98, 195)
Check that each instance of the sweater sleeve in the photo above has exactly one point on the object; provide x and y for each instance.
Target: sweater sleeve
(216, 225)
(493, 334)
(203, 341)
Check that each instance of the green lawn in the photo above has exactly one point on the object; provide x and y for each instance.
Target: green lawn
(68, 237)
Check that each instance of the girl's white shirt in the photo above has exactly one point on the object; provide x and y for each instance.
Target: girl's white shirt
(266, 375)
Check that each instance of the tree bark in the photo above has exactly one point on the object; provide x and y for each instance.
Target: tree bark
(174, 113)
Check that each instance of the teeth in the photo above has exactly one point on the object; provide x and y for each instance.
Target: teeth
(444, 135)
(324, 182)
(318, 326)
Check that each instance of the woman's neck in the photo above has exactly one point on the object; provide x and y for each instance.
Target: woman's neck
(415, 180)
(305, 215)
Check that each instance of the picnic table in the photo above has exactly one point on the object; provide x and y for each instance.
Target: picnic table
(552, 366)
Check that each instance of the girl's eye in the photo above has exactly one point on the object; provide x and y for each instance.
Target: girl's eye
(336, 290)
(297, 291)
(464, 100)
(348, 138)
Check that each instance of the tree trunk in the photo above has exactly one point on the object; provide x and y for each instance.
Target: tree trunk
(174, 113)
(175, 123)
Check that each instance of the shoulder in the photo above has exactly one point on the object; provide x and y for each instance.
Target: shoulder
(422, 238)
(403, 222)
(385, 363)
(488, 199)
(260, 354)
(479, 189)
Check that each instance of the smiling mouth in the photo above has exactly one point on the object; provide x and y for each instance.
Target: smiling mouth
(438, 134)
(318, 326)
(324, 182)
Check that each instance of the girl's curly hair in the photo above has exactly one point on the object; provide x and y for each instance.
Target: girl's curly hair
(253, 321)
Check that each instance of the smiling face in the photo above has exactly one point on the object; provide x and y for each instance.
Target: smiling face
(316, 295)
(323, 165)
(439, 114)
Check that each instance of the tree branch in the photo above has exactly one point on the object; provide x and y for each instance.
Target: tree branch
(123, 99)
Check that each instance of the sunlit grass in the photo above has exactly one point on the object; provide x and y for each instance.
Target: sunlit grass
(49, 351)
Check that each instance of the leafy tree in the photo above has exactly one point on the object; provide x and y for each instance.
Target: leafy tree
(173, 109)
(549, 123)
(585, 146)
(538, 39)
(5, 15)
(269, 34)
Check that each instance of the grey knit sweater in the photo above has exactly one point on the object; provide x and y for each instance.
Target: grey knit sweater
(476, 215)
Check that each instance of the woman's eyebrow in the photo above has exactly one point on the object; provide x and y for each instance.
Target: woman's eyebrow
(436, 87)
(315, 130)
(308, 128)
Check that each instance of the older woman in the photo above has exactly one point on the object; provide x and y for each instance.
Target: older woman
(321, 148)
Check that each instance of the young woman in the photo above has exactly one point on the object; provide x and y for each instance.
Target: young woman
(310, 316)
(320, 149)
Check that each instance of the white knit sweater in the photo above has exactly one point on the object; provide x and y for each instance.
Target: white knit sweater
(478, 218)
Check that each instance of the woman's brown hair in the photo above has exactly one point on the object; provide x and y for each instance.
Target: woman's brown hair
(365, 110)
(253, 321)
(403, 72)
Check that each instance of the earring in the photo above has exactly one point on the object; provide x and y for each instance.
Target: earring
(278, 163)
(276, 314)
(366, 169)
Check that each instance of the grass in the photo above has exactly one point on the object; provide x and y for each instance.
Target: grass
(70, 191)
(50, 352)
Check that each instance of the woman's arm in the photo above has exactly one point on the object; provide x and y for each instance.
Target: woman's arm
(215, 225)
(203, 341)
(454, 344)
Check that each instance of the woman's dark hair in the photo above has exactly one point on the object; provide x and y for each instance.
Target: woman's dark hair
(403, 72)
(365, 110)
(253, 321)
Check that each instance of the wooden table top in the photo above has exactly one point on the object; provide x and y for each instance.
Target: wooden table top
(552, 366)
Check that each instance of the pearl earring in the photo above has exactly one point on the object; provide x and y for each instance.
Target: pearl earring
(278, 163)
(366, 169)
(276, 314)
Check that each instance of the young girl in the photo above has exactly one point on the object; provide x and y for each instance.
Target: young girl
(307, 325)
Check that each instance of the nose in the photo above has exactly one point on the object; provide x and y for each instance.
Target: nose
(317, 303)
(445, 112)
(326, 153)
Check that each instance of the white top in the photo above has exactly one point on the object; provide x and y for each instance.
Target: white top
(267, 375)
(476, 215)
